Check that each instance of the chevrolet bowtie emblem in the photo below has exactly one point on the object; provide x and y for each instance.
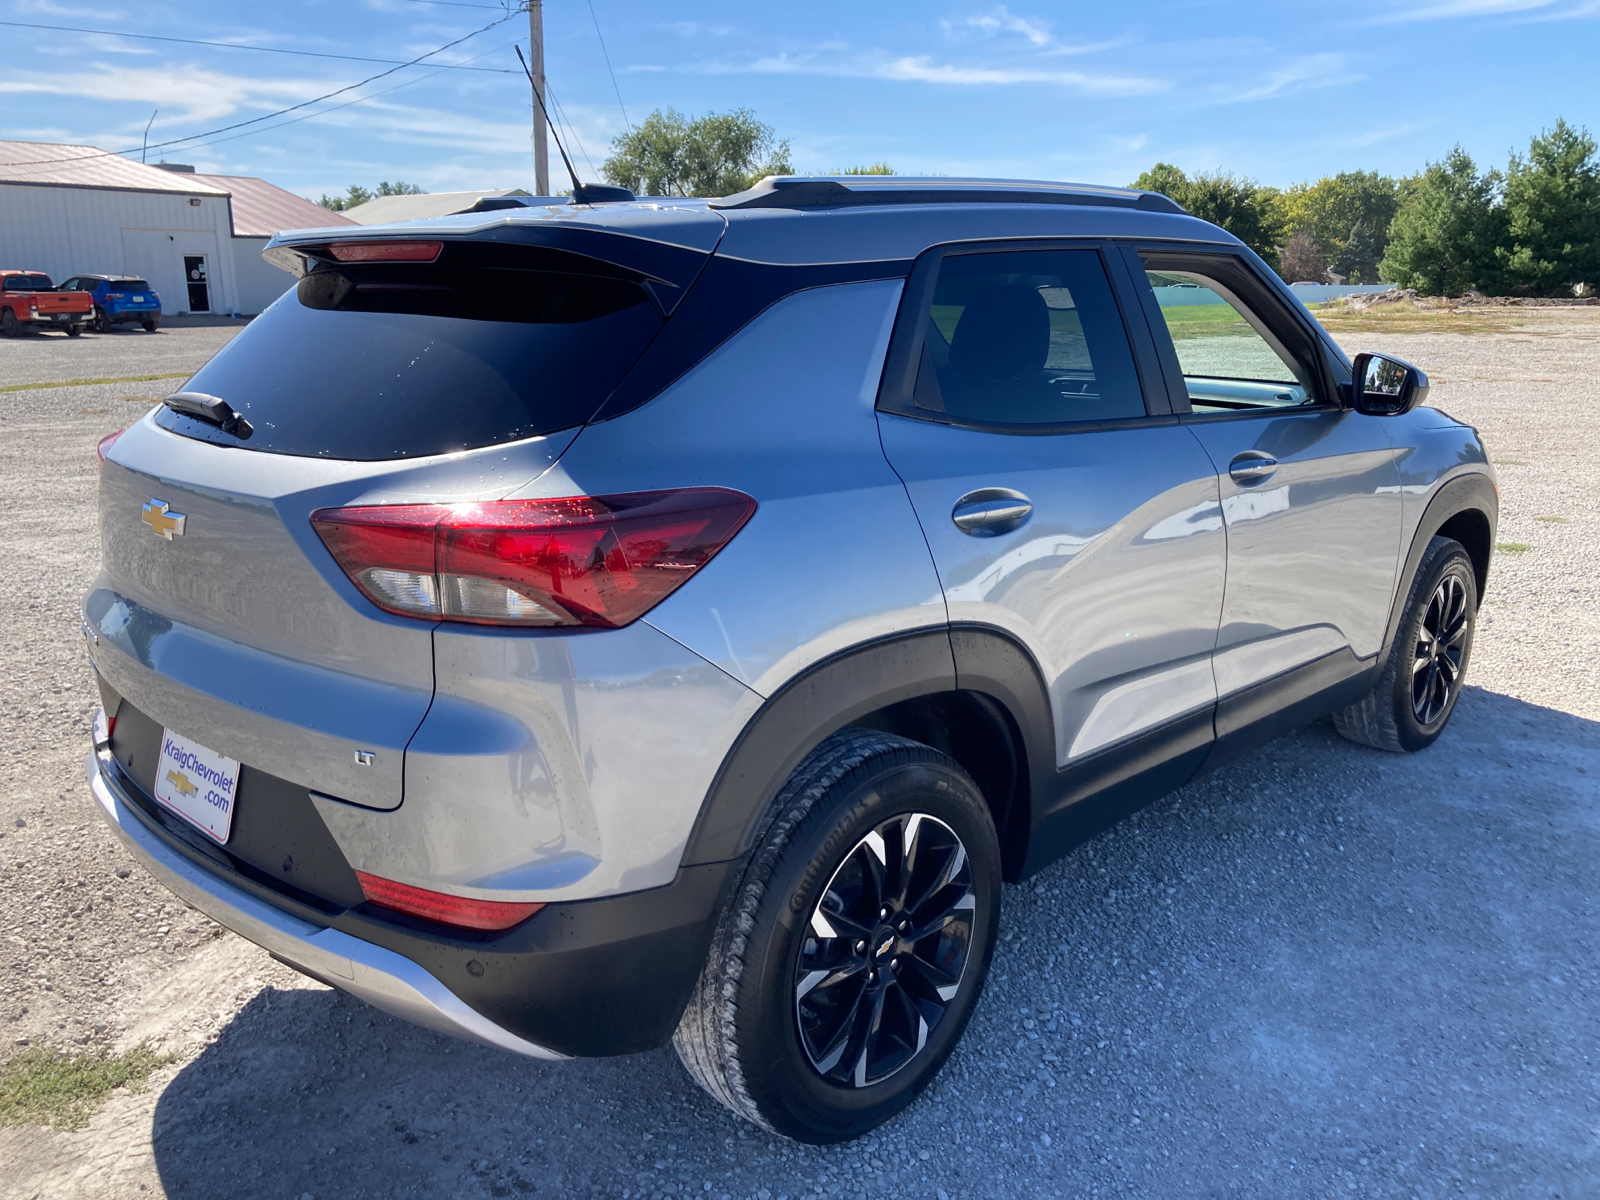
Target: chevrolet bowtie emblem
(168, 524)
(182, 782)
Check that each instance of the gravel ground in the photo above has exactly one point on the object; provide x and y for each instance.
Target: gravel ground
(1322, 970)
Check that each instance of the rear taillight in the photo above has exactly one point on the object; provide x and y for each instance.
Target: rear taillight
(461, 911)
(103, 448)
(385, 252)
(583, 560)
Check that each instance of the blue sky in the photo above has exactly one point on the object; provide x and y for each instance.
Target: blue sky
(1028, 89)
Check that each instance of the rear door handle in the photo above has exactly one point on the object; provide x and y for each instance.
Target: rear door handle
(1252, 466)
(989, 512)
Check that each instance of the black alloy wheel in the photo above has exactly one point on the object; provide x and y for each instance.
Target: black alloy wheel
(101, 325)
(888, 945)
(1416, 693)
(1440, 651)
(855, 943)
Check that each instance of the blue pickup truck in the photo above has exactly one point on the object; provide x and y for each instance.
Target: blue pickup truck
(119, 300)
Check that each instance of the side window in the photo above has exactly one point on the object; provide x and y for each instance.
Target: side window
(1230, 355)
(1031, 337)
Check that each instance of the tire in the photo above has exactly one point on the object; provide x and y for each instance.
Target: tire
(775, 1029)
(74, 330)
(9, 323)
(101, 325)
(150, 326)
(1421, 682)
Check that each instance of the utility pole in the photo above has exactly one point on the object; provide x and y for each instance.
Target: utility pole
(541, 152)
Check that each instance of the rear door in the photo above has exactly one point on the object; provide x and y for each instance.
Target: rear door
(1062, 501)
(1310, 489)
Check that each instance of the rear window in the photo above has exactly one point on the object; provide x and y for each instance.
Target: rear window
(29, 283)
(391, 361)
(126, 285)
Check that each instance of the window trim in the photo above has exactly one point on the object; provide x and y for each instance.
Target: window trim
(1279, 317)
(895, 390)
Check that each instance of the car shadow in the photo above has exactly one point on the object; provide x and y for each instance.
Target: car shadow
(1321, 967)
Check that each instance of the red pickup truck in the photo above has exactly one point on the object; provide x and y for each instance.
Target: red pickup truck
(29, 301)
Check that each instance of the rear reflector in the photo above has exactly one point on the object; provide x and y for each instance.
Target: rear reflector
(459, 911)
(103, 448)
(600, 561)
(382, 252)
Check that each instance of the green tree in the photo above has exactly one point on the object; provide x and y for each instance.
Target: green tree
(1330, 211)
(1443, 239)
(1357, 260)
(877, 168)
(714, 155)
(1241, 206)
(356, 194)
(1552, 215)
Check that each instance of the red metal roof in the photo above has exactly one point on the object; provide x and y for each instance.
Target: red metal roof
(260, 208)
(55, 164)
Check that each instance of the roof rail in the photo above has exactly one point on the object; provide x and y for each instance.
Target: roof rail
(852, 191)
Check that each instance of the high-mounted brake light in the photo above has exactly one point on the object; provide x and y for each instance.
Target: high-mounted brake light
(385, 252)
(461, 911)
(600, 561)
(103, 448)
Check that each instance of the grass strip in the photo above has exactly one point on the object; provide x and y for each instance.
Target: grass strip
(28, 387)
(44, 1086)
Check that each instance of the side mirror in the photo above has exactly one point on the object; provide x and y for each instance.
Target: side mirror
(1387, 387)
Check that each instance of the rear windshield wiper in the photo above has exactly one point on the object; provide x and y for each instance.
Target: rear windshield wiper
(211, 409)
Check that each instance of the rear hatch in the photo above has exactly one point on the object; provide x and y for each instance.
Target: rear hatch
(459, 373)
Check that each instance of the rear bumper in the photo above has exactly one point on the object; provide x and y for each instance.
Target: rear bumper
(381, 977)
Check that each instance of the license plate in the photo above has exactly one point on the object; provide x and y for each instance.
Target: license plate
(198, 784)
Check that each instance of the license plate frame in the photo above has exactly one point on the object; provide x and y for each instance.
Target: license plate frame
(197, 784)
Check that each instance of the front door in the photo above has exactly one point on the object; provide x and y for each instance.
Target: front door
(1310, 489)
(1060, 506)
(194, 274)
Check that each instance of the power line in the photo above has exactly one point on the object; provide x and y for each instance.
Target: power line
(152, 37)
(195, 137)
(347, 104)
(571, 128)
(626, 123)
(462, 4)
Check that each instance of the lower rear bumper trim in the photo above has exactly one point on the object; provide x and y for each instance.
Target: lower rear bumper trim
(381, 977)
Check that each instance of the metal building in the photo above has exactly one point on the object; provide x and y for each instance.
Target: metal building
(73, 210)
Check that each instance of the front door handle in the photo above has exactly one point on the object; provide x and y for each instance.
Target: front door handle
(989, 512)
(1252, 466)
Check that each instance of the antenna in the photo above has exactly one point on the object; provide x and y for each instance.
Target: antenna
(145, 144)
(581, 193)
(539, 100)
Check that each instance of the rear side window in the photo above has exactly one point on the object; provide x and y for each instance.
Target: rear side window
(386, 361)
(1029, 337)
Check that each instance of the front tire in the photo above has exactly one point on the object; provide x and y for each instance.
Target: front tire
(855, 946)
(1421, 682)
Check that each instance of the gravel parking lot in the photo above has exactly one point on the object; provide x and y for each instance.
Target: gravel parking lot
(1323, 970)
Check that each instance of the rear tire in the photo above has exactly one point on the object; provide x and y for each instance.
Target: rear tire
(150, 326)
(815, 1017)
(1421, 682)
(74, 330)
(101, 325)
(9, 323)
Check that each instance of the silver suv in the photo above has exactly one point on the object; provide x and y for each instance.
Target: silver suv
(581, 627)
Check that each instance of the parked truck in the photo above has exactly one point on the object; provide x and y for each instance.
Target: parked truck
(29, 301)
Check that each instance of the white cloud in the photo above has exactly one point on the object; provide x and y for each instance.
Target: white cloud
(1034, 30)
(691, 29)
(1544, 10)
(1303, 74)
(185, 93)
(921, 68)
